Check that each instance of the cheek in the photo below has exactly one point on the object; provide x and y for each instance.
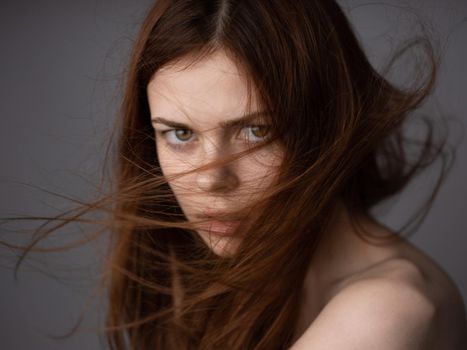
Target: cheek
(261, 169)
(172, 164)
(170, 161)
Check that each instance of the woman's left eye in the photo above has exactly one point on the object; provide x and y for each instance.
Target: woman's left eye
(256, 133)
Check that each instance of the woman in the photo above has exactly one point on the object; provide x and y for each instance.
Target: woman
(255, 139)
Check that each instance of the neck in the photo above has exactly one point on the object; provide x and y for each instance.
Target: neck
(342, 252)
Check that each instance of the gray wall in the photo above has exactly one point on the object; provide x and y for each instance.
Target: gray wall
(61, 67)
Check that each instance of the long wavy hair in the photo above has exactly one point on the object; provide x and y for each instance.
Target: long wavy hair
(340, 123)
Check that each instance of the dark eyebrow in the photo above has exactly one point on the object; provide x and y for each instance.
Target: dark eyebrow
(225, 124)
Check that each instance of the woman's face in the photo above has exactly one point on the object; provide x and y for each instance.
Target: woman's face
(196, 115)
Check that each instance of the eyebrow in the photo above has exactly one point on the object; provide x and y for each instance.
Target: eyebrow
(224, 124)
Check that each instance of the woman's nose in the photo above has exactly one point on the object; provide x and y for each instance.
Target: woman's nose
(222, 178)
(219, 180)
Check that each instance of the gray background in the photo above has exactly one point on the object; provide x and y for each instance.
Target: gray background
(61, 69)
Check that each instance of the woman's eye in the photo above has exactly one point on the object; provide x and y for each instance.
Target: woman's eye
(256, 133)
(178, 136)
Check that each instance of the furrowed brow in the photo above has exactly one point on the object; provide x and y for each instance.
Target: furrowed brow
(160, 120)
(241, 120)
(224, 124)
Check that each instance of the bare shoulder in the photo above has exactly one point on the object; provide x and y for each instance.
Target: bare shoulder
(391, 305)
(377, 311)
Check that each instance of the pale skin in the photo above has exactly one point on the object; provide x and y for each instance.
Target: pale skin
(356, 295)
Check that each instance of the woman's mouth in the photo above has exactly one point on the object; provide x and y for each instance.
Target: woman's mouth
(219, 227)
(218, 222)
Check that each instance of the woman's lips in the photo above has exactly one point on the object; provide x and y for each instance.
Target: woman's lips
(218, 223)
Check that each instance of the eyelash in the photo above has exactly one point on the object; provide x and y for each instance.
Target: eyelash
(182, 144)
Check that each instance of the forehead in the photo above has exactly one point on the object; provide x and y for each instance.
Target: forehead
(209, 91)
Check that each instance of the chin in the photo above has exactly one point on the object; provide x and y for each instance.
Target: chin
(221, 246)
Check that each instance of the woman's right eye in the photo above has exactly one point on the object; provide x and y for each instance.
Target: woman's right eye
(178, 136)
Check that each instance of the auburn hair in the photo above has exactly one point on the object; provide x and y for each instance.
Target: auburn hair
(341, 125)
